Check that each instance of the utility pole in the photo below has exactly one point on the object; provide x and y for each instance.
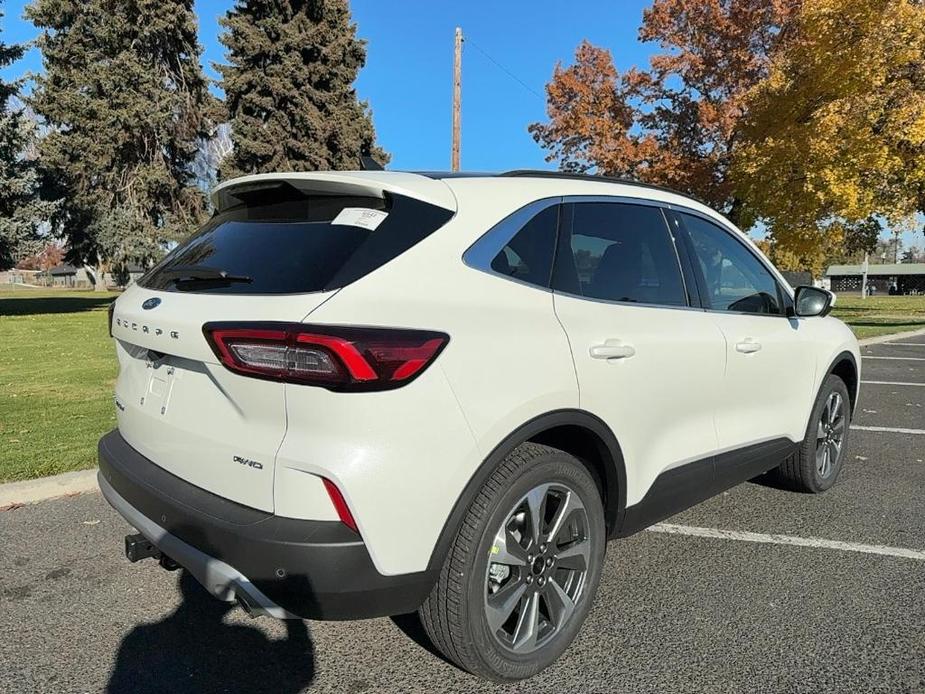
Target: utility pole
(457, 99)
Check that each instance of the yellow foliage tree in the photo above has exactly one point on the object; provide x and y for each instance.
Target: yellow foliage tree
(836, 133)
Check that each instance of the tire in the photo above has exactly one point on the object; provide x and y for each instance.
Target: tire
(808, 470)
(456, 613)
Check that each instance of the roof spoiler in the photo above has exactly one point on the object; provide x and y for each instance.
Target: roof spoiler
(361, 183)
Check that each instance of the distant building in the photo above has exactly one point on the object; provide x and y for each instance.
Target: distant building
(66, 275)
(907, 278)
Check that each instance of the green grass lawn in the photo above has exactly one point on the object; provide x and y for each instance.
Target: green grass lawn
(881, 315)
(57, 371)
(58, 367)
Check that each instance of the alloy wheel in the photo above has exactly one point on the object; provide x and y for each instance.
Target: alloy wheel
(537, 568)
(830, 434)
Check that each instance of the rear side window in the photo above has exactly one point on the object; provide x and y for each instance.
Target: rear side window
(281, 240)
(735, 280)
(619, 252)
(528, 256)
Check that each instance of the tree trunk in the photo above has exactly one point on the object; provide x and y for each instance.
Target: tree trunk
(95, 272)
(735, 211)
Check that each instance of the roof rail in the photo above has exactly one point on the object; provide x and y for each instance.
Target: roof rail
(542, 173)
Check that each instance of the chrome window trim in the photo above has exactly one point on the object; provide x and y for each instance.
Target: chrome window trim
(480, 254)
(629, 304)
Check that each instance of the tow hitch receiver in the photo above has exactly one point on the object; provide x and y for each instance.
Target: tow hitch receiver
(137, 547)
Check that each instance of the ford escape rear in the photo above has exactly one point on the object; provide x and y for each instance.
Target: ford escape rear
(369, 393)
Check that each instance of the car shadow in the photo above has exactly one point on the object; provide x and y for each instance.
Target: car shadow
(43, 305)
(772, 480)
(410, 625)
(192, 650)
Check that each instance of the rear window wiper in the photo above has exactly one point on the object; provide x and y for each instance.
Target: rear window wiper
(198, 273)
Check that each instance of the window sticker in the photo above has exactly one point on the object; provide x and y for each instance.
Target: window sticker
(362, 217)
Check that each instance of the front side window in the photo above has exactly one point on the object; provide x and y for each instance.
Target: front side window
(528, 255)
(735, 279)
(619, 252)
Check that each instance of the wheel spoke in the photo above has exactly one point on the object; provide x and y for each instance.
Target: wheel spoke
(528, 624)
(820, 456)
(536, 506)
(834, 407)
(502, 604)
(820, 430)
(574, 556)
(507, 550)
(560, 605)
(570, 504)
(824, 470)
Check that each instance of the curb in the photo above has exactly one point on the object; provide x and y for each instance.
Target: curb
(14, 494)
(889, 338)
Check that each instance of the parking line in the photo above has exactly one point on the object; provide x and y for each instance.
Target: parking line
(899, 344)
(889, 430)
(892, 383)
(815, 542)
(870, 356)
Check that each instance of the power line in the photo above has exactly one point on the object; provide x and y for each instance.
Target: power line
(505, 70)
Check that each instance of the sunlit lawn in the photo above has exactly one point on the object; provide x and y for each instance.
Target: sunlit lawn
(57, 368)
(881, 315)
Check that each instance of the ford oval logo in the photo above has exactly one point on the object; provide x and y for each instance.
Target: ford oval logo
(153, 302)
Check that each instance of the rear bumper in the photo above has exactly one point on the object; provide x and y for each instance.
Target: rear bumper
(279, 566)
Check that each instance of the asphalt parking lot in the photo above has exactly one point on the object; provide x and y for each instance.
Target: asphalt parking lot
(802, 594)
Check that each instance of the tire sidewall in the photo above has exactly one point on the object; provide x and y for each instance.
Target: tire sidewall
(553, 467)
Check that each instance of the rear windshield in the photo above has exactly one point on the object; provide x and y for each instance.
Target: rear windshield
(281, 240)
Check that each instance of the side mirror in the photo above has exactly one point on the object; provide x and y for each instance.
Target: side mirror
(812, 301)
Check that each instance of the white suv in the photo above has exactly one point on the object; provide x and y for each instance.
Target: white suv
(356, 394)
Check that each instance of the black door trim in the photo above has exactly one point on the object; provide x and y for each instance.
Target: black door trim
(684, 486)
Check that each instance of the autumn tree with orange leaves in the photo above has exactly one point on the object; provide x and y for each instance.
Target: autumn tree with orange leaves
(805, 115)
(677, 122)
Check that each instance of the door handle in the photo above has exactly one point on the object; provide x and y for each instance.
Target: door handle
(748, 346)
(612, 349)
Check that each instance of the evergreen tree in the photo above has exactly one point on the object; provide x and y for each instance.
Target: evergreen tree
(21, 212)
(289, 87)
(126, 102)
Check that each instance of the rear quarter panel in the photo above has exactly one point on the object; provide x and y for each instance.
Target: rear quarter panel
(403, 457)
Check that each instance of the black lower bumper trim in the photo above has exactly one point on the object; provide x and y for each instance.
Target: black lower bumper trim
(313, 569)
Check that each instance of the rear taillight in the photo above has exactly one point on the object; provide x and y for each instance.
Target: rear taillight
(339, 358)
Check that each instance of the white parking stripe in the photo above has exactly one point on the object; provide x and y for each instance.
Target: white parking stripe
(870, 356)
(893, 383)
(889, 430)
(900, 344)
(815, 542)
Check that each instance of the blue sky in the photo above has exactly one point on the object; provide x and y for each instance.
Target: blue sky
(408, 75)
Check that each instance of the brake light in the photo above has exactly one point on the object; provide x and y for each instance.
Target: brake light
(338, 358)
